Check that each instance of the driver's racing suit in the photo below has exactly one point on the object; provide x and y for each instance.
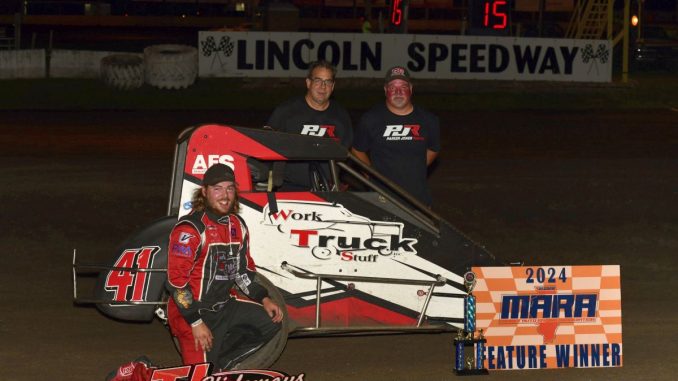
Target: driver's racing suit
(207, 256)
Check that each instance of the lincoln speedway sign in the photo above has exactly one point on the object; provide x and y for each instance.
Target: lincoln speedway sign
(550, 317)
(264, 54)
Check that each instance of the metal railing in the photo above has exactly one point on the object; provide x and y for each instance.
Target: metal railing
(438, 281)
(423, 213)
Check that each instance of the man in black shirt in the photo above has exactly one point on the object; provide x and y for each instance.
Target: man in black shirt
(314, 114)
(398, 138)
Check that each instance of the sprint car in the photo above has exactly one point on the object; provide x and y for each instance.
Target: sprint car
(369, 258)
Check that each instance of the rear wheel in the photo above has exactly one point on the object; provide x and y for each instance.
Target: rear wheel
(266, 356)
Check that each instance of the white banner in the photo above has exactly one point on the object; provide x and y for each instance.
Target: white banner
(278, 54)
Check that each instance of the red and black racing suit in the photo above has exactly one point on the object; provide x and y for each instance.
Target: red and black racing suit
(208, 255)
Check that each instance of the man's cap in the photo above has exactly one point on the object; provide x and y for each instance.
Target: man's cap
(397, 72)
(218, 173)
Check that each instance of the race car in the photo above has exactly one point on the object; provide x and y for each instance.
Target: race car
(353, 254)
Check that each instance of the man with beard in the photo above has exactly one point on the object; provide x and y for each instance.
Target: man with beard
(398, 138)
(208, 256)
(314, 114)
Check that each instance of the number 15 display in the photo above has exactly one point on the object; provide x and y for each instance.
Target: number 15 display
(489, 17)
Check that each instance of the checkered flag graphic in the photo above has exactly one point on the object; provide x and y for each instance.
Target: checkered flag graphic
(226, 46)
(601, 54)
(209, 46)
(211, 49)
(587, 54)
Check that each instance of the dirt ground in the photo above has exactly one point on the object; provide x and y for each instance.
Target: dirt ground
(548, 188)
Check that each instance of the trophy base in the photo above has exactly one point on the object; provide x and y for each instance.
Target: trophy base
(471, 372)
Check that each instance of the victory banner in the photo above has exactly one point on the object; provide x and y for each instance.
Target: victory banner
(550, 317)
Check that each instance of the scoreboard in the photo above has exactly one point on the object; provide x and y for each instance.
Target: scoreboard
(489, 17)
(486, 17)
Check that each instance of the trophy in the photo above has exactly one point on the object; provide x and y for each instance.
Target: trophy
(469, 349)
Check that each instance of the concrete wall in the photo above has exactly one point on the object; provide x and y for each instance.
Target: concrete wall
(16, 64)
(75, 63)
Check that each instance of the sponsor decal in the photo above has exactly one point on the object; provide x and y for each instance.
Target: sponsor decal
(547, 310)
(393, 243)
(184, 297)
(350, 256)
(185, 237)
(211, 231)
(202, 162)
(227, 261)
(289, 214)
(319, 130)
(203, 372)
(331, 231)
(188, 205)
(550, 317)
(398, 132)
(181, 250)
(126, 370)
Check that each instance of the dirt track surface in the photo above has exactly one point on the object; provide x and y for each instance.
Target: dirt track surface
(548, 188)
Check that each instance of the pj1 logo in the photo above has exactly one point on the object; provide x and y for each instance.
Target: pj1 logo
(402, 132)
(319, 130)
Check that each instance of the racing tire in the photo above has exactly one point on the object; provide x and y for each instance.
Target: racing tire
(122, 71)
(171, 66)
(269, 353)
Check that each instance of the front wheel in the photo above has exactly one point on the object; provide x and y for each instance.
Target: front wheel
(269, 353)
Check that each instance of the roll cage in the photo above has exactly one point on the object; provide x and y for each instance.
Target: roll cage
(268, 171)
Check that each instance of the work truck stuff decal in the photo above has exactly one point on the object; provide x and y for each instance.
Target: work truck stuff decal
(332, 231)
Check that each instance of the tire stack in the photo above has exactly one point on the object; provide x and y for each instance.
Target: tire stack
(171, 66)
(122, 71)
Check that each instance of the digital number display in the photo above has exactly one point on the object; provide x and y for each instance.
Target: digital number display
(396, 12)
(489, 17)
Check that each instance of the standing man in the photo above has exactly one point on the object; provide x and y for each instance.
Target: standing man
(314, 114)
(398, 138)
(209, 254)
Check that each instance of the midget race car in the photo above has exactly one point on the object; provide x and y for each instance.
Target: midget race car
(341, 259)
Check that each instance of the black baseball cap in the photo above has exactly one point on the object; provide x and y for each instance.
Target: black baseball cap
(397, 72)
(218, 173)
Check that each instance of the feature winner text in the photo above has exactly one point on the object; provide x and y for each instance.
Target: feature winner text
(566, 356)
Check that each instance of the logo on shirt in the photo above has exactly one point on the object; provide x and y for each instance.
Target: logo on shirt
(185, 237)
(402, 132)
(181, 250)
(319, 130)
